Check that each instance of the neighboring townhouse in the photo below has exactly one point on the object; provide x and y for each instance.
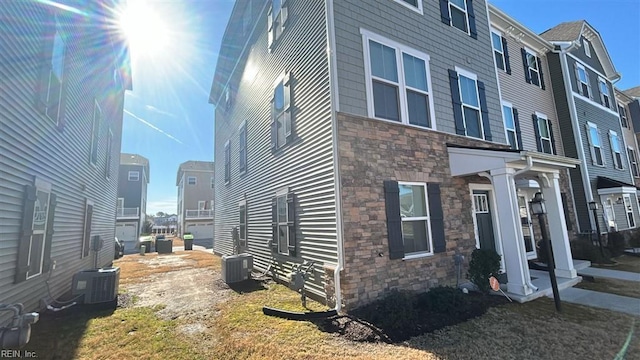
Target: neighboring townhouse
(195, 181)
(376, 151)
(62, 101)
(631, 97)
(529, 112)
(582, 74)
(132, 197)
(627, 105)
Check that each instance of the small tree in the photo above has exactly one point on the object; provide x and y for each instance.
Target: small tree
(147, 227)
(483, 265)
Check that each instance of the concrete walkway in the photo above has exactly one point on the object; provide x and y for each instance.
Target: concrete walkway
(624, 304)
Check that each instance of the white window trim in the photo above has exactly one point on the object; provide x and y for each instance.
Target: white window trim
(95, 135)
(242, 203)
(616, 165)
(213, 182)
(622, 110)
(592, 146)
(581, 66)
(602, 81)
(227, 164)
(84, 220)
(242, 127)
(466, 16)
(587, 47)
(633, 165)
(627, 198)
(537, 70)
(543, 116)
(107, 166)
(402, 87)
(419, 218)
(44, 186)
(473, 77)
(504, 63)
(506, 130)
(195, 180)
(202, 204)
(577, 94)
(285, 80)
(281, 193)
(417, 9)
(133, 172)
(58, 32)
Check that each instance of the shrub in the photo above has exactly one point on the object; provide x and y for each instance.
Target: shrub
(584, 249)
(397, 310)
(442, 299)
(616, 243)
(483, 265)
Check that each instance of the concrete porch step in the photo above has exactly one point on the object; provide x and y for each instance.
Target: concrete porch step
(601, 300)
(581, 264)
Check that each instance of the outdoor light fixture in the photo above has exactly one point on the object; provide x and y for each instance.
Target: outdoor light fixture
(593, 205)
(537, 204)
(538, 208)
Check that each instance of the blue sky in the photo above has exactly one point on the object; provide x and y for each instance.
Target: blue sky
(167, 115)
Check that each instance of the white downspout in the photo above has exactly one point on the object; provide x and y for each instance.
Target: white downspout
(333, 89)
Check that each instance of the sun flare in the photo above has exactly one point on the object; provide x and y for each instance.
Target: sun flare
(146, 31)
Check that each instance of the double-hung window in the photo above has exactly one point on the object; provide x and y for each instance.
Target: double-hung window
(95, 132)
(107, 166)
(242, 148)
(582, 76)
(459, 15)
(544, 133)
(500, 51)
(595, 144)
(134, 176)
(284, 224)
(605, 98)
(192, 180)
(532, 68)
(587, 47)
(51, 95)
(39, 227)
(242, 233)
(398, 82)
(277, 17)
(415, 5)
(629, 209)
(624, 120)
(414, 213)
(281, 113)
(213, 182)
(633, 161)
(615, 149)
(470, 104)
(227, 163)
(511, 125)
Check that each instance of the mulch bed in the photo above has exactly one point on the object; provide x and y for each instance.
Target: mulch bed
(359, 329)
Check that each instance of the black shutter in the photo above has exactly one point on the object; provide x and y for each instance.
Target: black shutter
(527, 76)
(540, 73)
(291, 225)
(565, 207)
(28, 207)
(444, 12)
(436, 218)
(505, 50)
(553, 139)
(88, 218)
(394, 222)
(48, 238)
(536, 129)
(274, 224)
(486, 126)
(457, 103)
(516, 121)
(472, 20)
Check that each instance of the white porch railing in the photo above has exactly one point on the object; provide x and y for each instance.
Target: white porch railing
(127, 212)
(198, 214)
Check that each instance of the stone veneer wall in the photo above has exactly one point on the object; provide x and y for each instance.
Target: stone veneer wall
(371, 151)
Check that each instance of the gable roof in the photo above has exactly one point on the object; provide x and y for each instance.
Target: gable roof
(633, 92)
(194, 165)
(509, 26)
(572, 31)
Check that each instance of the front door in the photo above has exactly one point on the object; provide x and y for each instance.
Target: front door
(484, 224)
(527, 228)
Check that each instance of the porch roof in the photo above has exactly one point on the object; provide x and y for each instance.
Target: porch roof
(468, 160)
(607, 186)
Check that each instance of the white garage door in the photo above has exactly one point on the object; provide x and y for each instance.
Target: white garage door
(201, 231)
(126, 231)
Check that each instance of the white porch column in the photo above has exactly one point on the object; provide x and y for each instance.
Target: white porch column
(510, 232)
(557, 227)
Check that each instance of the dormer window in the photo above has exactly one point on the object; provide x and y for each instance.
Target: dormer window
(587, 47)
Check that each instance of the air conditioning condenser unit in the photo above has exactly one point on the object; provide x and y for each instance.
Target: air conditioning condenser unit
(236, 268)
(97, 286)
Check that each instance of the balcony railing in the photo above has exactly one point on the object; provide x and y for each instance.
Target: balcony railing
(199, 214)
(128, 212)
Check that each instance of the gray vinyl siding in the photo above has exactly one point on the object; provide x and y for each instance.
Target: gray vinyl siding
(32, 146)
(131, 191)
(201, 191)
(605, 122)
(580, 199)
(592, 61)
(593, 81)
(305, 166)
(562, 108)
(446, 45)
(528, 98)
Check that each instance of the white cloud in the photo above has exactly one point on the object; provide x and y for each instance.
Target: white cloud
(167, 205)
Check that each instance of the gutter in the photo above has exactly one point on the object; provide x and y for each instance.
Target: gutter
(333, 89)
